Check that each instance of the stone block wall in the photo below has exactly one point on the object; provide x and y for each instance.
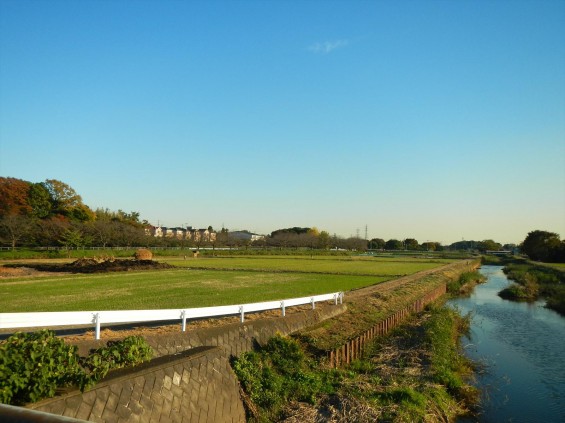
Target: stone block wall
(190, 380)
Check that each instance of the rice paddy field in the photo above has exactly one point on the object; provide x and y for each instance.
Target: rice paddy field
(201, 282)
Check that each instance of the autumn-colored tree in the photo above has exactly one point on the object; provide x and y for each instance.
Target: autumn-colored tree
(64, 197)
(47, 232)
(14, 229)
(14, 197)
(67, 202)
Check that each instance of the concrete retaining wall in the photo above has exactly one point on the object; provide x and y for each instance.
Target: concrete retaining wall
(190, 380)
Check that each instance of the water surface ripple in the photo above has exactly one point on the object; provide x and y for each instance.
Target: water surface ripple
(523, 349)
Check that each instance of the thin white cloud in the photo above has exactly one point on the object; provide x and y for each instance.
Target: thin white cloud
(327, 46)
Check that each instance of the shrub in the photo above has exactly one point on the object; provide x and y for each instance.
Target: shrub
(130, 351)
(34, 365)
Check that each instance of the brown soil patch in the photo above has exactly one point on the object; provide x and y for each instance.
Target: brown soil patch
(86, 265)
(20, 272)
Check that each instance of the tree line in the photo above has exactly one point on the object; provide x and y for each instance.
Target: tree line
(52, 213)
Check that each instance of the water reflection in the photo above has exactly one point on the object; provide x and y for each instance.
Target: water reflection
(523, 349)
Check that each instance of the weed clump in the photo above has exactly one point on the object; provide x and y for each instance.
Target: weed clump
(276, 374)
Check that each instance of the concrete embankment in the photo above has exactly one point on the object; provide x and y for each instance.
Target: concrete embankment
(191, 380)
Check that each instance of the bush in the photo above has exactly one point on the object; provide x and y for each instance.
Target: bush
(34, 365)
(130, 351)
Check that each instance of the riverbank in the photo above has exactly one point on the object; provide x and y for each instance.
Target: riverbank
(415, 373)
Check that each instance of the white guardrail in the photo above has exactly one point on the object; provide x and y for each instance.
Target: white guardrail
(97, 318)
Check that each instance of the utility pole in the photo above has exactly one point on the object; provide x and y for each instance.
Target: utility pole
(366, 237)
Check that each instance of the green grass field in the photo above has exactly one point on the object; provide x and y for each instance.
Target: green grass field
(366, 266)
(254, 280)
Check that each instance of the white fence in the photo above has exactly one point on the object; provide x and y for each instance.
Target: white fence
(97, 318)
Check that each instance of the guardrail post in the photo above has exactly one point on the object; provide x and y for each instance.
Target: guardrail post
(183, 318)
(335, 299)
(341, 297)
(313, 303)
(283, 308)
(242, 314)
(96, 326)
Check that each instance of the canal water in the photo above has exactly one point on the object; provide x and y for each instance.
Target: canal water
(522, 349)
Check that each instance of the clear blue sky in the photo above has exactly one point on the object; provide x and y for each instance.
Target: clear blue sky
(438, 120)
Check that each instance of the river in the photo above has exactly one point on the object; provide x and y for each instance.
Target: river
(522, 347)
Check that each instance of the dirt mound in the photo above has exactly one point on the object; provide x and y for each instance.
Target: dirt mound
(86, 265)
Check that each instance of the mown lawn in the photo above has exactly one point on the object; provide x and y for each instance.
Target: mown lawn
(256, 280)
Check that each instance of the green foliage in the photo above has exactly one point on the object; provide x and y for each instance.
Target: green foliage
(441, 336)
(489, 245)
(544, 246)
(34, 365)
(386, 379)
(465, 282)
(394, 244)
(130, 351)
(533, 281)
(277, 373)
(515, 292)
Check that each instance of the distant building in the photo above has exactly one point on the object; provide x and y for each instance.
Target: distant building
(188, 233)
(245, 236)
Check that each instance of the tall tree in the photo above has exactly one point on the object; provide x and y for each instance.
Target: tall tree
(542, 246)
(394, 244)
(14, 228)
(14, 194)
(411, 244)
(431, 246)
(489, 245)
(324, 240)
(40, 200)
(377, 244)
(64, 197)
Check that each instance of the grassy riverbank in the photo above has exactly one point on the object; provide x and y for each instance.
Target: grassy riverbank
(535, 280)
(416, 373)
